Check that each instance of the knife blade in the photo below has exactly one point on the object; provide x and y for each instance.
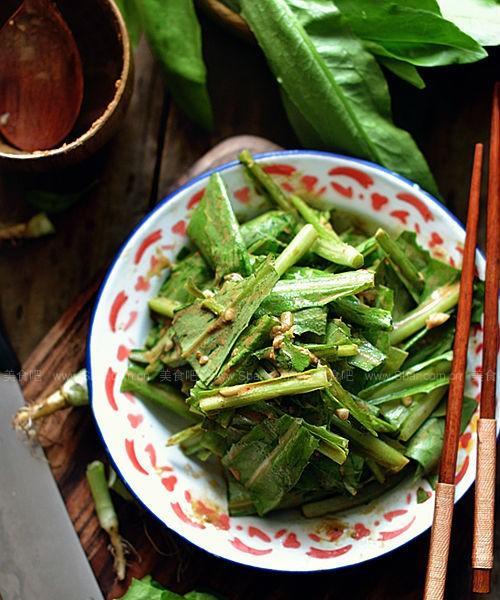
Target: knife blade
(40, 554)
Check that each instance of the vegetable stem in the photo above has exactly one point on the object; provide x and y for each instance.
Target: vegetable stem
(328, 245)
(409, 274)
(441, 300)
(164, 306)
(295, 249)
(74, 392)
(106, 514)
(163, 394)
(374, 447)
(245, 394)
(276, 194)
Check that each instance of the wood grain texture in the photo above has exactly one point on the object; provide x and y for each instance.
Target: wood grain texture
(40, 279)
(142, 164)
(448, 463)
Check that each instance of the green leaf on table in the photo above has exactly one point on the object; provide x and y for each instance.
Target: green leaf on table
(269, 460)
(403, 70)
(132, 16)
(148, 589)
(410, 33)
(215, 231)
(174, 34)
(346, 100)
(478, 18)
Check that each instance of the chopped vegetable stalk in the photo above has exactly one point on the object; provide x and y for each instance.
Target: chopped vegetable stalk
(419, 410)
(183, 435)
(164, 306)
(162, 394)
(360, 314)
(339, 503)
(405, 269)
(432, 373)
(118, 487)
(374, 447)
(441, 300)
(74, 392)
(250, 393)
(330, 444)
(276, 194)
(106, 514)
(329, 245)
(331, 352)
(296, 249)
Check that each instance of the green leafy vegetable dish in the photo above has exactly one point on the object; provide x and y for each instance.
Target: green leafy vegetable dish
(310, 356)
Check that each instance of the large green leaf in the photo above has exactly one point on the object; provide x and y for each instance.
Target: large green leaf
(174, 34)
(479, 18)
(334, 83)
(409, 33)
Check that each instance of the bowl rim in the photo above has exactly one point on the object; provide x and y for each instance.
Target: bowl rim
(64, 148)
(118, 256)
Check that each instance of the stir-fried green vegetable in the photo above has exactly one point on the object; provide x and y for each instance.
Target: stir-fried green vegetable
(315, 379)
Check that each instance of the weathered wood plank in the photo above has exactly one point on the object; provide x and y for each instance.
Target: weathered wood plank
(40, 278)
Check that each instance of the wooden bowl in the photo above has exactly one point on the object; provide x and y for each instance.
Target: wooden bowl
(102, 38)
(226, 17)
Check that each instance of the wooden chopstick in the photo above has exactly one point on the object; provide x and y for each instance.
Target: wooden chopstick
(484, 505)
(445, 489)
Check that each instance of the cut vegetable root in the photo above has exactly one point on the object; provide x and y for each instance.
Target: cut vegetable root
(74, 392)
(37, 226)
(106, 514)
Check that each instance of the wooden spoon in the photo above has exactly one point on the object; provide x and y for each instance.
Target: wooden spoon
(41, 78)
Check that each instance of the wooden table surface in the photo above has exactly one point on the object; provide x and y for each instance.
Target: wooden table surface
(40, 279)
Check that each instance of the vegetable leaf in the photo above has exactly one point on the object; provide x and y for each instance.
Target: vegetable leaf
(215, 230)
(174, 34)
(479, 18)
(269, 460)
(346, 99)
(418, 36)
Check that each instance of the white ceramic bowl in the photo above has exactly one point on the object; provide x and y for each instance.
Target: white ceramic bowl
(190, 498)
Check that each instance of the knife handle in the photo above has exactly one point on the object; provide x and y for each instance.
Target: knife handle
(8, 359)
